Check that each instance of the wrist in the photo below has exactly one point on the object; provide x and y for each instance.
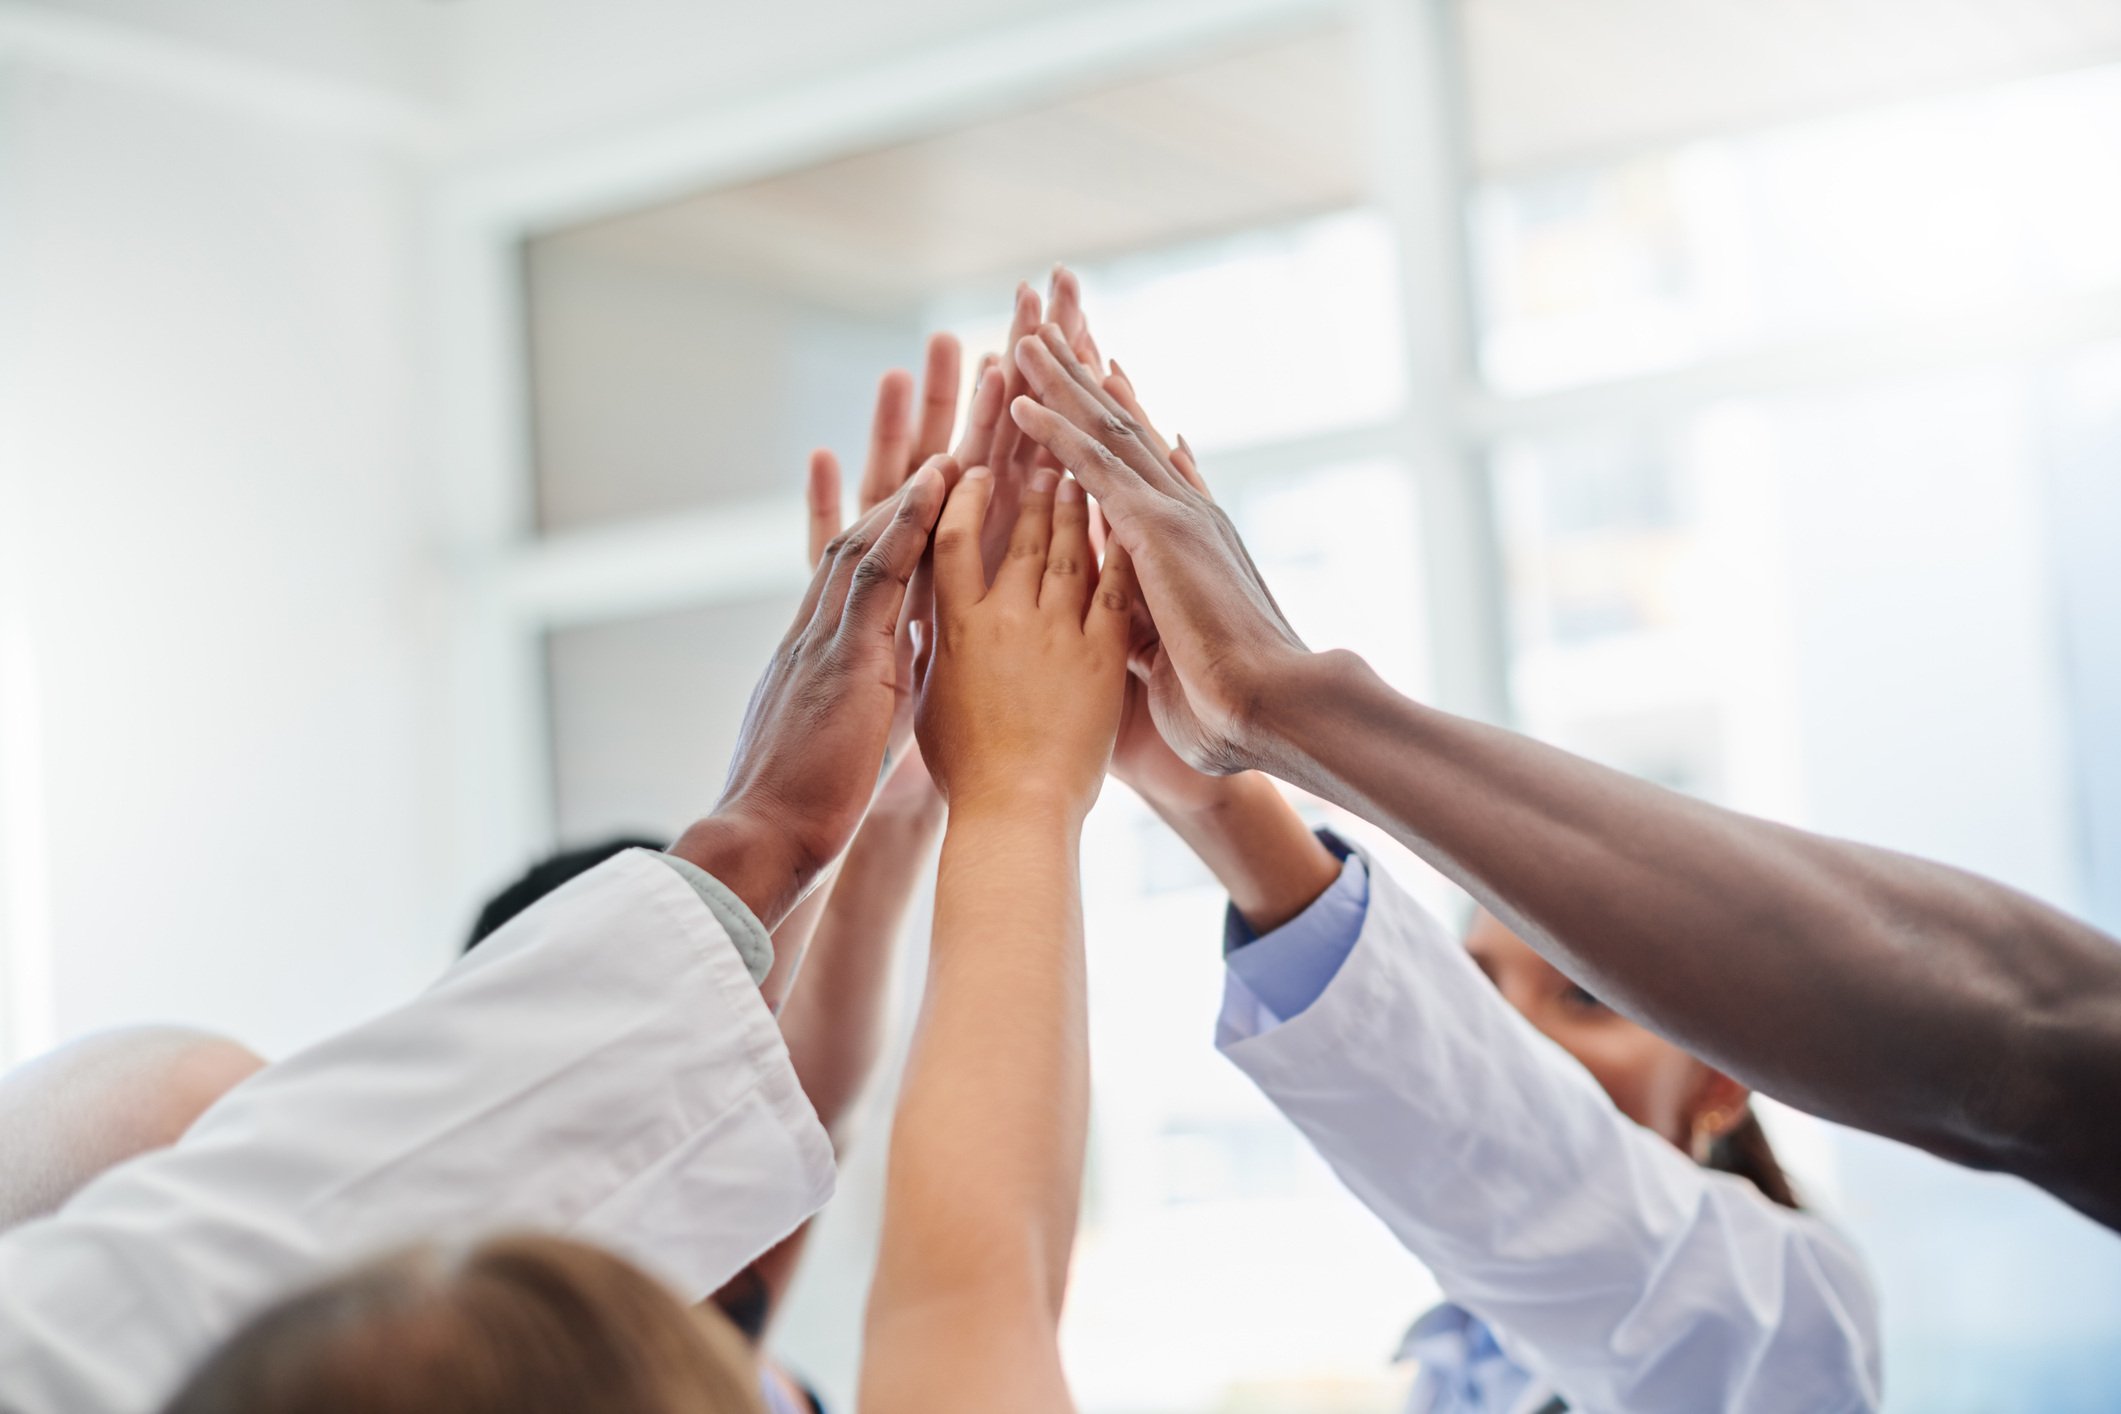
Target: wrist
(909, 799)
(1294, 702)
(766, 867)
(1021, 803)
(1201, 799)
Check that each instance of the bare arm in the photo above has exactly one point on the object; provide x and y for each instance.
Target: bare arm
(834, 1022)
(97, 1102)
(987, 1150)
(836, 1016)
(1018, 712)
(1889, 993)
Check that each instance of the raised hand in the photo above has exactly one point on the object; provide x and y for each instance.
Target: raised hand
(1223, 648)
(1141, 757)
(901, 438)
(1022, 692)
(815, 733)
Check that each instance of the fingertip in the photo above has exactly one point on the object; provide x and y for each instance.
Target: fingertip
(1042, 480)
(824, 479)
(1071, 492)
(1024, 409)
(978, 473)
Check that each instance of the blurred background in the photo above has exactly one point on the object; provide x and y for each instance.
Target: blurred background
(403, 407)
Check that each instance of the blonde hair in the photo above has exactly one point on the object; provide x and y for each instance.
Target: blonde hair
(514, 1325)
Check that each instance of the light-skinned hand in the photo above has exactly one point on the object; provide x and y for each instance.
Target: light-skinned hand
(1023, 684)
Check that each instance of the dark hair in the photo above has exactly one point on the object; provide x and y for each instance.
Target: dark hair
(545, 876)
(515, 1325)
(1745, 1151)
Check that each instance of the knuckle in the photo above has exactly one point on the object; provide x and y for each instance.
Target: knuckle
(1117, 427)
(951, 540)
(1063, 565)
(1117, 600)
(873, 573)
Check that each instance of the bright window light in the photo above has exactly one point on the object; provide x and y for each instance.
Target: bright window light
(1920, 211)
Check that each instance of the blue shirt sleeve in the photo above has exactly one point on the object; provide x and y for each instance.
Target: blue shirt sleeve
(1290, 968)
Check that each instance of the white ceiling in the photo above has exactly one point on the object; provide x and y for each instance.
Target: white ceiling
(1546, 80)
(1238, 140)
(1556, 80)
(1248, 138)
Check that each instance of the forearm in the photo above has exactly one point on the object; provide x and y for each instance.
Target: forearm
(987, 1150)
(792, 940)
(835, 1018)
(1887, 992)
(1258, 847)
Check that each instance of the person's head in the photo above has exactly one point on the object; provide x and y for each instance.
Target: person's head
(514, 1325)
(545, 876)
(100, 1101)
(1653, 1082)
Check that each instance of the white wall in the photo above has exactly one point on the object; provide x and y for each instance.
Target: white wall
(214, 489)
(396, 48)
(535, 70)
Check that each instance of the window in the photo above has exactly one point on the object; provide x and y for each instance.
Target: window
(1923, 211)
(1798, 538)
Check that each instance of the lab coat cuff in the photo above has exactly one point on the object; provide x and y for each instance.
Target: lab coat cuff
(671, 1219)
(753, 943)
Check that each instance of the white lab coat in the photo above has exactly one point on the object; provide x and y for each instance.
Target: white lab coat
(1619, 1273)
(603, 1067)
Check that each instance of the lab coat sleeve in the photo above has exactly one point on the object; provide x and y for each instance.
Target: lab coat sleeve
(1604, 1260)
(603, 1067)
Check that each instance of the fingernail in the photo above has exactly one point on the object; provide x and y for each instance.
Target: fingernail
(977, 473)
(1071, 491)
(1042, 480)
